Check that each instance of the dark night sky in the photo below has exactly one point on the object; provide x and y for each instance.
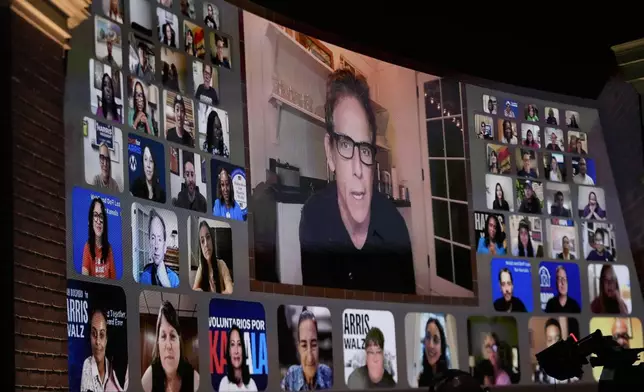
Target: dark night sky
(568, 55)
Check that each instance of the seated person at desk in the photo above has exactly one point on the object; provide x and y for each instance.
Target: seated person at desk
(350, 236)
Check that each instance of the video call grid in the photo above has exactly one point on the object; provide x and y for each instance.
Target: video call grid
(133, 324)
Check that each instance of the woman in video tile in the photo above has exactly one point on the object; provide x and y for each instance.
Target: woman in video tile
(98, 259)
(350, 236)
(492, 242)
(209, 20)
(108, 109)
(495, 367)
(147, 186)
(190, 43)
(593, 210)
(169, 35)
(214, 142)
(530, 203)
(524, 246)
(508, 133)
(140, 120)
(225, 204)
(499, 199)
(529, 140)
(434, 354)
(609, 299)
(493, 163)
(212, 274)
(169, 371)
(237, 373)
(551, 119)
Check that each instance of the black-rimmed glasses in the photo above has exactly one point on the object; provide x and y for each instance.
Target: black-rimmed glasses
(346, 148)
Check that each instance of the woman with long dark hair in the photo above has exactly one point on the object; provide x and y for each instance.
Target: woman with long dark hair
(493, 162)
(108, 109)
(593, 209)
(169, 370)
(168, 35)
(214, 143)
(499, 199)
(98, 258)
(237, 376)
(434, 354)
(147, 186)
(225, 204)
(524, 247)
(189, 43)
(609, 299)
(213, 274)
(492, 240)
(139, 119)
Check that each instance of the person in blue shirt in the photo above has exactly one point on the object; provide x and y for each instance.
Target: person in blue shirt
(600, 253)
(156, 272)
(492, 241)
(225, 205)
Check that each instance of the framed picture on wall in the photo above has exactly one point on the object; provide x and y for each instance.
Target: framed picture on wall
(174, 160)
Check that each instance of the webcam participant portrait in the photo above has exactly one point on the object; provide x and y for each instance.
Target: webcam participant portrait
(146, 165)
(155, 246)
(229, 191)
(103, 155)
(599, 241)
(96, 337)
(511, 109)
(552, 116)
(143, 104)
(530, 136)
(498, 159)
(170, 354)
(188, 8)
(493, 350)
(558, 200)
(142, 59)
(562, 244)
(347, 225)
(113, 9)
(544, 332)
(489, 104)
(141, 16)
(168, 28)
(529, 196)
(626, 332)
(527, 236)
(610, 288)
(220, 50)
(527, 165)
(484, 127)
(507, 131)
(173, 70)
(305, 348)
(577, 142)
(369, 338)
(214, 132)
(531, 113)
(105, 92)
(432, 347)
(511, 285)
(211, 255)
(489, 231)
(591, 203)
(179, 119)
(583, 171)
(166, 3)
(97, 234)
(572, 119)
(211, 16)
(554, 138)
(560, 287)
(555, 167)
(237, 344)
(206, 83)
(194, 40)
(499, 193)
(108, 42)
(188, 181)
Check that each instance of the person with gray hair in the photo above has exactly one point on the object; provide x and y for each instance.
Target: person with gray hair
(104, 179)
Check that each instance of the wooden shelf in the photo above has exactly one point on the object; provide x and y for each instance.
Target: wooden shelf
(284, 37)
(283, 102)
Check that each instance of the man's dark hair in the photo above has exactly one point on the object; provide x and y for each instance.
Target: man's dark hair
(188, 156)
(509, 273)
(559, 193)
(341, 84)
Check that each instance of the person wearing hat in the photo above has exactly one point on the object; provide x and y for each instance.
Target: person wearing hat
(530, 203)
(373, 374)
(178, 134)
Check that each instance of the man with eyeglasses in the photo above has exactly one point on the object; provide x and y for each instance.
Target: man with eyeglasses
(373, 374)
(205, 92)
(350, 236)
(562, 303)
(104, 179)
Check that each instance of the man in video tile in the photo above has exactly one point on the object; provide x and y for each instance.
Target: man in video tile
(530, 203)
(144, 69)
(373, 374)
(104, 179)
(205, 92)
(562, 303)
(189, 197)
(351, 236)
(508, 303)
(620, 333)
(178, 134)
(109, 59)
(558, 208)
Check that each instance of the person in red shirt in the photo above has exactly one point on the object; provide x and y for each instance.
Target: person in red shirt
(98, 258)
